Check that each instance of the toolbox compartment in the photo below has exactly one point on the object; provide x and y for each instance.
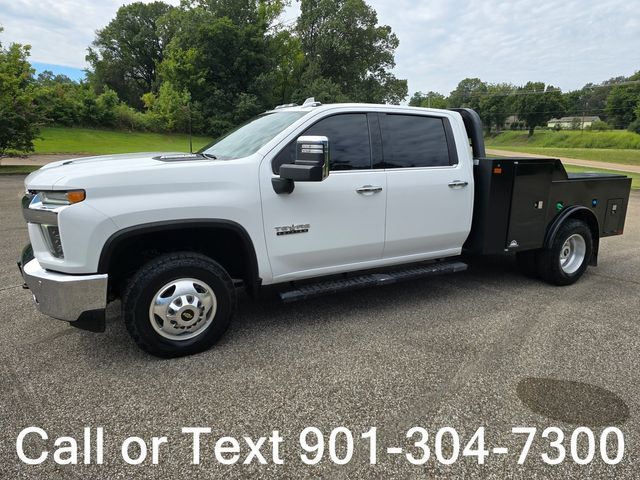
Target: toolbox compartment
(517, 199)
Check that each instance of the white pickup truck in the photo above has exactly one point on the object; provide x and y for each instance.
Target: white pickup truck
(297, 193)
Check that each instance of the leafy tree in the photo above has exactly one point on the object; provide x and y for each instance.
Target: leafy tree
(468, 94)
(496, 105)
(599, 125)
(313, 84)
(170, 110)
(247, 12)
(416, 99)
(428, 100)
(536, 104)
(622, 103)
(590, 99)
(226, 65)
(285, 77)
(126, 53)
(344, 44)
(58, 98)
(19, 115)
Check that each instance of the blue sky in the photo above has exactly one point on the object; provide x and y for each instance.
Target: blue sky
(566, 43)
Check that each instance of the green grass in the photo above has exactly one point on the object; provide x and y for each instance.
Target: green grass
(635, 177)
(101, 142)
(609, 155)
(18, 169)
(619, 139)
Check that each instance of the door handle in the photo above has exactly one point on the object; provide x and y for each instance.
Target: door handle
(368, 189)
(458, 184)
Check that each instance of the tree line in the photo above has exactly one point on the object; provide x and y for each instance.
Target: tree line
(208, 65)
(616, 102)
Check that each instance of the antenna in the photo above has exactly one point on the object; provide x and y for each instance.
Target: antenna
(190, 139)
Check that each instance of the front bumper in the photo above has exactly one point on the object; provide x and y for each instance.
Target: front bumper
(78, 299)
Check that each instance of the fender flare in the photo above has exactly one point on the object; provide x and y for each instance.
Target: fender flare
(581, 213)
(254, 281)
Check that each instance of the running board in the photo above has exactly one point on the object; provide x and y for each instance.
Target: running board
(370, 280)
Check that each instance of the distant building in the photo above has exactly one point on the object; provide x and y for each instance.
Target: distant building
(572, 123)
(511, 120)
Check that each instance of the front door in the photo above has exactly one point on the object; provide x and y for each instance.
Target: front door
(333, 225)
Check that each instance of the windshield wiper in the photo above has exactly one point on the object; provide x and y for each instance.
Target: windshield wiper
(209, 155)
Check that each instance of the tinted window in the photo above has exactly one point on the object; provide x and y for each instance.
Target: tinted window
(348, 136)
(414, 141)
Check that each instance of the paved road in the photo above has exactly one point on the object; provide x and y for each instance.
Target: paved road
(483, 348)
(570, 161)
(38, 160)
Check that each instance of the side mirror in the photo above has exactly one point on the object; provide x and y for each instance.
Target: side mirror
(312, 164)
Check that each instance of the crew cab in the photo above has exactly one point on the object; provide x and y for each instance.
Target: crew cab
(313, 199)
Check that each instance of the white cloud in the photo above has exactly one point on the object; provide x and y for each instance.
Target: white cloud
(59, 32)
(566, 43)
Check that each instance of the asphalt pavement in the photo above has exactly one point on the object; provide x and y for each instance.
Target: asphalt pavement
(485, 348)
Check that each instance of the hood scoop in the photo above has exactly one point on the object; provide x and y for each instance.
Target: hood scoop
(178, 157)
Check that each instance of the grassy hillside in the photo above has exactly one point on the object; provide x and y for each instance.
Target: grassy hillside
(610, 155)
(100, 142)
(619, 139)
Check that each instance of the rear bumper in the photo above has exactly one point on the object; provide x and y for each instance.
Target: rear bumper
(79, 299)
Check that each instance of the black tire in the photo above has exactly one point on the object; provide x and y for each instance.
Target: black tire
(152, 277)
(549, 259)
(527, 262)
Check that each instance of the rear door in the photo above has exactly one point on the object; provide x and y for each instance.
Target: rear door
(336, 224)
(430, 192)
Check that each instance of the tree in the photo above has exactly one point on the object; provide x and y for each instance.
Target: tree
(496, 105)
(416, 99)
(428, 100)
(344, 44)
(19, 115)
(622, 103)
(536, 104)
(468, 94)
(58, 99)
(126, 53)
(226, 65)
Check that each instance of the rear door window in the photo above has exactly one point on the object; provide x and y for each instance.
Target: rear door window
(411, 141)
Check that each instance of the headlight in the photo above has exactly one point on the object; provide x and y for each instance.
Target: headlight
(62, 197)
(42, 207)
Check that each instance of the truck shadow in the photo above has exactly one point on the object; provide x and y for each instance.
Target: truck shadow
(258, 314)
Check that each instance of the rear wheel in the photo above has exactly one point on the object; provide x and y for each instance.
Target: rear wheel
(567, 258)
(178, 304)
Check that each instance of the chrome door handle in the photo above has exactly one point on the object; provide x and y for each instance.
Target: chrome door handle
(368, 189)
(458, 184)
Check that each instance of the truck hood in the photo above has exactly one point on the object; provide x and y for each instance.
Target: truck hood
(66, 173)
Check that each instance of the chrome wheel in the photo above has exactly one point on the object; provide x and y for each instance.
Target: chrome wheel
(182, 309)
(572, 254)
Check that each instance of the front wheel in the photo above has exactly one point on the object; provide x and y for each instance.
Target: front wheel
(567, 258)
(178, 304)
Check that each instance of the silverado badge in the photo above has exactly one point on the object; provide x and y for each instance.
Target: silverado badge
(291, 229)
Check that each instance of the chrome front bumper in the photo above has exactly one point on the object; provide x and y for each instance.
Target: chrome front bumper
(79, 299)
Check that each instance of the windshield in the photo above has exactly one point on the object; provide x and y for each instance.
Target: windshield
(249, 137)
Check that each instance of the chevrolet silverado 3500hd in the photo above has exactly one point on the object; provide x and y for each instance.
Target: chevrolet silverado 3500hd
(298, 193)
